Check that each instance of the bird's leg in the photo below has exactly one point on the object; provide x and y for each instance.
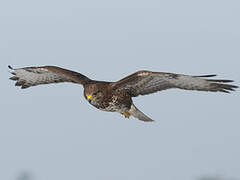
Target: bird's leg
(126, 114)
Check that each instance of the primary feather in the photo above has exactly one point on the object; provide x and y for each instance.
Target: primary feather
(147, 82)
(33, 76)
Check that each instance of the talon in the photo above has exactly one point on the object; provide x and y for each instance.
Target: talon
(126, 114)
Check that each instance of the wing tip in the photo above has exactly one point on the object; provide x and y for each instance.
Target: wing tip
(208, 75)
(17, 79)
(220, 80)
(11, 70)
(220, 84)
(14, 78)
(225, 88)
(10, 67)
(22, 84)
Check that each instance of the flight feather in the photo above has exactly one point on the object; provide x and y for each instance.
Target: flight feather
(147, 82)
(32, 76)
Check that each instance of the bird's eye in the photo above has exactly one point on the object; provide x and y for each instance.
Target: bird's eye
(94, 94)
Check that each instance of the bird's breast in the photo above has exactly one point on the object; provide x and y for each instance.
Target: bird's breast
(114, 103)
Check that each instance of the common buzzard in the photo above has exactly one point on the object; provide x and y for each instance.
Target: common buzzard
(117, 96)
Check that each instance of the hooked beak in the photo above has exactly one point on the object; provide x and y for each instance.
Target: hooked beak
(89, 98)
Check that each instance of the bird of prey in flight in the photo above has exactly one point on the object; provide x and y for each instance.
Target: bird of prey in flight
(117, 96)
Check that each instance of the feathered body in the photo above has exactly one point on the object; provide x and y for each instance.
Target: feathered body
(117, 96)
(107, 99)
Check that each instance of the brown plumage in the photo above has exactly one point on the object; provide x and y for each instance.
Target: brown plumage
(117, 96)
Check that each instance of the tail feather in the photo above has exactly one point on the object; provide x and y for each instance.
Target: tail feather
(134, 111)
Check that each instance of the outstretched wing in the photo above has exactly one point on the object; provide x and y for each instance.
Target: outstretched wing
(146, 82)
(33, 76)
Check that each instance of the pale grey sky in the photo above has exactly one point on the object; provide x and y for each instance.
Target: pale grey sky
(55, 134)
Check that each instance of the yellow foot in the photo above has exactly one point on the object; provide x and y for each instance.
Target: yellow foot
(126, 114)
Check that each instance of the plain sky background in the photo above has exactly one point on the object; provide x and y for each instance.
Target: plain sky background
(52, 132)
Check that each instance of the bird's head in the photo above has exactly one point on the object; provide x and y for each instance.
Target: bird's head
(93, 93)
(94, 96)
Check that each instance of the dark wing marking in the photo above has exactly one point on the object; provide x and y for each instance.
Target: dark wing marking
(146, 82)
(32, 76)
